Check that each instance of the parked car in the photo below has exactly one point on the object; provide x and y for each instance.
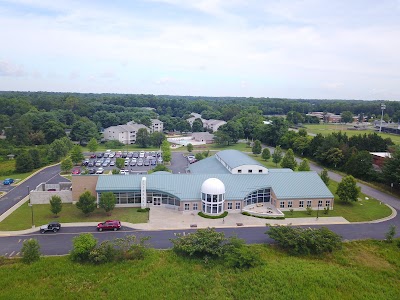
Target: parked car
(100, 171)
(76, 171)
(53, 226)
(135, 154)
(160, 160)
(147, 162)
(141, 154)
(124, 172)
(153, 162)
(92, 171)
(105, 163)
(99, 155)
(139, 162)
(91, 164)
(109, 225)
(85, 162)
(93, 155)
(112, 163)
(8, 181)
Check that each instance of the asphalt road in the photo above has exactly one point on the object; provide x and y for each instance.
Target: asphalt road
(50, 175)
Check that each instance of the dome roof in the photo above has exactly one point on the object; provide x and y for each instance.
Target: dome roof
(213, 186)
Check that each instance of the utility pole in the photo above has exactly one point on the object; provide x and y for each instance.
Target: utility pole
(383, 107)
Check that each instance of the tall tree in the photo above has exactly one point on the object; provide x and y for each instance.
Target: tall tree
(76, 154)
(93, 145)
(256, 149)
(143, 138)
(325, 177)
(347, 189)
(197, 125)
(288, 161)
(84, 130)
(86, 203)
(23, 163)
(304, 165)
(347, 116)
(277, 155)
(66, 165)
(189, 147)
(107, 202)
(391, 169)
(157, 138)
(59, 148)
(36, 159)
(266, 154)
(360, 165)
(55, 204)
(166, 151)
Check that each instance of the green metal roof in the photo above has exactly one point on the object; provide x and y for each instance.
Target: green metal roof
(235, 158)
(209, 165)
(285, 185)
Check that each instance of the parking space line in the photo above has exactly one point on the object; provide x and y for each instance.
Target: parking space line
(11, 254)
(17, 254)
(19, 241)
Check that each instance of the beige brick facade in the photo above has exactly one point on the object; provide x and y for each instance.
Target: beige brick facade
(83, 183)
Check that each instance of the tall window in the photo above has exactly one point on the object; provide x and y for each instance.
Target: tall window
(229, 205)
(195, 206)
(237, 205)
(290, 204)
(319, 203)
(328, 203)
(301, 203)
(282, 204)
(187, 206)
(308, 203)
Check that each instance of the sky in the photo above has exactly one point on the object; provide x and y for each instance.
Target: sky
(254, 48)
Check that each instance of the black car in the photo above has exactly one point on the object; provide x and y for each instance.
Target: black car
(53, 226)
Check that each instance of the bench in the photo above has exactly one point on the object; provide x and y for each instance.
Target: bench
(239, 224)
(193, 225)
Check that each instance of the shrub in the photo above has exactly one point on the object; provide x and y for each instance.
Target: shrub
(242, 258)
(309, 210)
(131, 247)
(30, 251)
(263, 217)
(390, 234)
(105, 252)
(326, 210)
(86, 203)
(203, 242)
(305, 241)
(223, 215)
(143, 209)
(83, 245)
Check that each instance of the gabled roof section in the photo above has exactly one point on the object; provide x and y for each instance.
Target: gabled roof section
(235, 158)
(209, 165)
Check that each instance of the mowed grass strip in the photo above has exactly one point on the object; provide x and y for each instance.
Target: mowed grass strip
(21, 218)
(361, 211)
(361, 270)
(326, 129)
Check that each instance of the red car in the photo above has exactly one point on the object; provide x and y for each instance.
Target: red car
(109, 225)
(76, 171)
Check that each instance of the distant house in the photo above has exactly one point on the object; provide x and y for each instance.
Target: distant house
(205, 137)
(211, 124)
(156, 126)
(379, 158)
(332, 118)
(126, 134)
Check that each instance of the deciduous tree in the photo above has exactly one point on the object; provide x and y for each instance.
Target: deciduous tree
(266, 154)
(288, 161)
(76, 154)
(256, 147)
(347, 189)
(304, 165)
(93, 145)
(107, 202)
(277, 155)
(86, 203)
(325, 177)
(55, 204)
(66, 165)
(143, 138)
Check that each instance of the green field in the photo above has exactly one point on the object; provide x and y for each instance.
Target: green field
(21, 218)
(8, 167)
(361, 270)
(360, 211)
(326, 129)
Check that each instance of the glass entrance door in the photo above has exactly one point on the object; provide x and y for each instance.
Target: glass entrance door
(156, 201)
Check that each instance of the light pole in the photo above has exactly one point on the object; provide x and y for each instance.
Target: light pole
(318, 211)
(383, 107)
(30, 204)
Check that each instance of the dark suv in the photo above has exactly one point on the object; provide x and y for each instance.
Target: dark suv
(109, 225)
(53, 226)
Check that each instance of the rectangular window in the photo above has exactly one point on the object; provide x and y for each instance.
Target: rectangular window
(250, 171)
(290, 204)
(319, 203)
(259, 171)
(229, 205)
(301, 203)
(237, 205)
(308, 203)
(194, 206)
(328, 203)
(187, 206)
(239, 171)
(282, 204)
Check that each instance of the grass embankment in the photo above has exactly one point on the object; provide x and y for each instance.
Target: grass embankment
(134, 148)
(21, 218)
(361, 270)
(8, 167)
(360, 211)
(326, 129)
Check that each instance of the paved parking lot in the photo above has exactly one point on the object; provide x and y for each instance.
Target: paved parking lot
(178, 163)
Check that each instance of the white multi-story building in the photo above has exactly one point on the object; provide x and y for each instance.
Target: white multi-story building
(126, 134)
(207, 124)
(156, 126)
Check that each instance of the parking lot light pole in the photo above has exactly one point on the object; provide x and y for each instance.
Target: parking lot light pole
(30, 204)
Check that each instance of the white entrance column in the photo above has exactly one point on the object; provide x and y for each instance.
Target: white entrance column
(143, 194)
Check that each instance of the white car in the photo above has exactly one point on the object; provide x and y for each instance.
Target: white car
(141, 154)
(100, 171)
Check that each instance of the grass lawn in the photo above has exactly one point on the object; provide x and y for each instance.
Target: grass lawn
(135, 148)
(326, 129)
(360, 211)
(9, 167)
(361, 270)
(21, 218)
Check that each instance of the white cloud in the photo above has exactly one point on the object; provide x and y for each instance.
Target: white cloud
(9, 69)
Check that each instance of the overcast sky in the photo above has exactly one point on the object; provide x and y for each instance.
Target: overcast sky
(337, 49)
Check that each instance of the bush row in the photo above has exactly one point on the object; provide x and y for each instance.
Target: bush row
(223, 215)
